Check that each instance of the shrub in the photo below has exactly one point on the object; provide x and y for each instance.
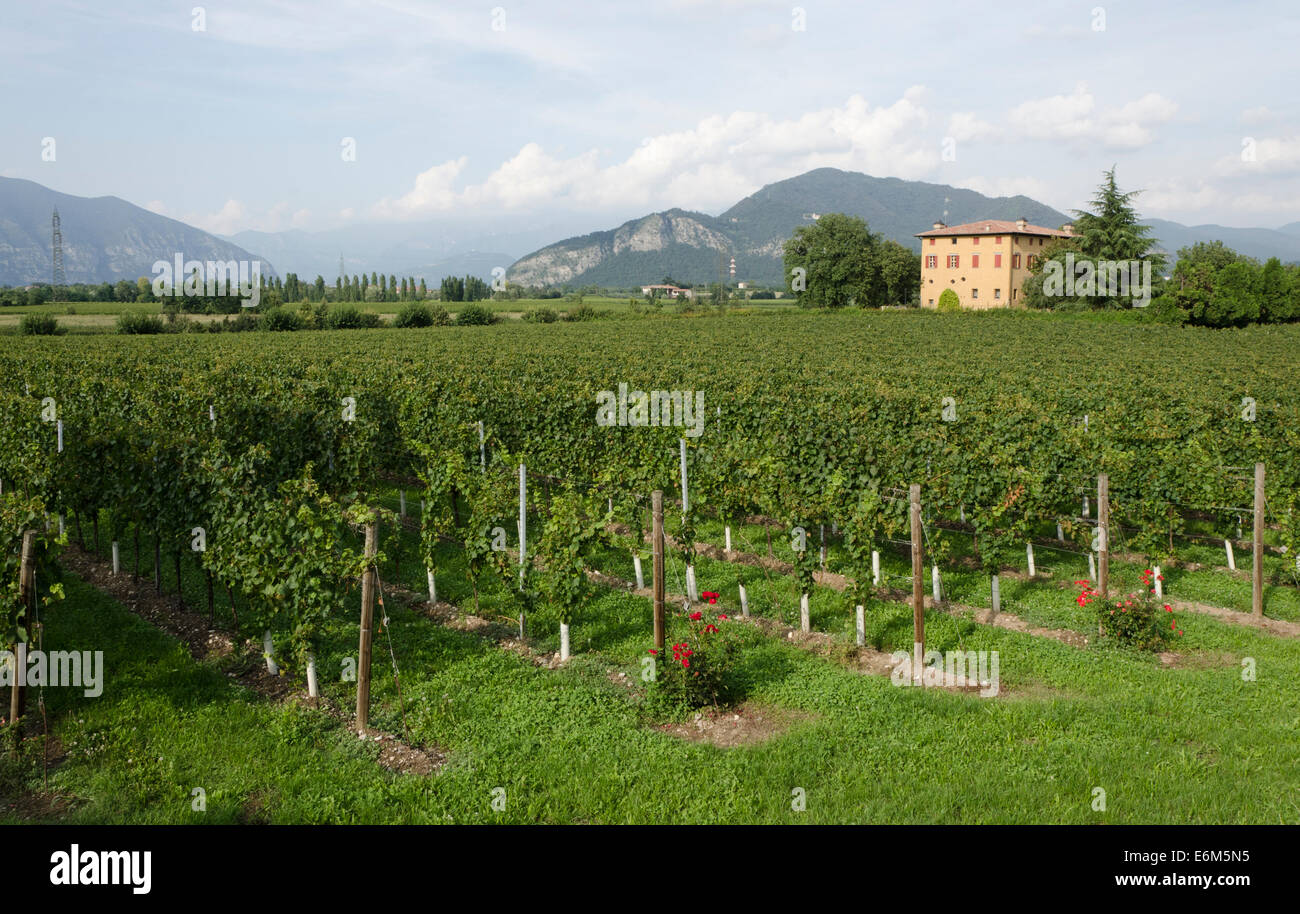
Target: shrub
(440, 316)
(580, 313)
(39, 325)
(476, 315)
(343, 317)
(370, 320)
(1164, 309)
(949, 302)
(414, 315)
(280, 319)
(243, 322)
(139, 322)
(700, 670)
(1135, 619)
(540, 316)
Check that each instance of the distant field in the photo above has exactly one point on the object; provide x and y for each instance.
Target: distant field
(98, 316)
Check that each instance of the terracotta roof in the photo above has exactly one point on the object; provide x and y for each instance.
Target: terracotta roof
(994, 227)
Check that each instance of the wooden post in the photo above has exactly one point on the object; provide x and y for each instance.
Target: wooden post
(686, 503)
(1103, 523)
(367, 620)
(918, 586)
(523, 536)
(657, 571)
(26, 588)
(1257, 552)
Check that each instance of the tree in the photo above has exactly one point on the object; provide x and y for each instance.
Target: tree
(1236, 298)
(1276, 293)
(1198, 264)
(1111, 231)
(834, 263)
(948, 301)
(900, 271)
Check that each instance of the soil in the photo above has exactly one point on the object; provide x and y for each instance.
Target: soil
(745, 725)
(1014, 623)
(1201, 660)
(1272, 626)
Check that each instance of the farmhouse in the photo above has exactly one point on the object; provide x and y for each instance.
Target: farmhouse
(660, 291)
(984, 262)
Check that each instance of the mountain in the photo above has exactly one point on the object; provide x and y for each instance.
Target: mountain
(1260, 243)
(691, 246)
(104, 238)
(694, 247)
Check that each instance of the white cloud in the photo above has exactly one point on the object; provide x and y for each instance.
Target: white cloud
(432, 192)
(964, 126)
(1077, 117)
(712, 164)
(226, 221)
(1262, 155)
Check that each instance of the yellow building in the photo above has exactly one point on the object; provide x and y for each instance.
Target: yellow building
(984, 262)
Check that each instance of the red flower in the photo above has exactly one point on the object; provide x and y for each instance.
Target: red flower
(710, 628)
(655, 652)
(1168, 608)
(697, 616)
(1173, 625)
(722, 616)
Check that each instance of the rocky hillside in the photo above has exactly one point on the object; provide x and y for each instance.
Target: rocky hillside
(693, 247)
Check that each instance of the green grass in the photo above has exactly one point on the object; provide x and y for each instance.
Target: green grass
(1195, 744)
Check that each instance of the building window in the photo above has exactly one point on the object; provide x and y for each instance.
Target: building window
(954, 239)
(932, 241)
(1030, 260)
(976, 239)
(1015, 261)
(974, 260)
(954, 261)
(997, 239)
(1013, 294)
(932, 303)
(931, 261)
(997, 294)
(974, 294)
(997, 260)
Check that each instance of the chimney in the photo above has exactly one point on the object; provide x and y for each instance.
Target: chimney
(939, 225)
(1021, 223)
(1068, 228)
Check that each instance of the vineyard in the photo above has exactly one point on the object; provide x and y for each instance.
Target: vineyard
(457, 483)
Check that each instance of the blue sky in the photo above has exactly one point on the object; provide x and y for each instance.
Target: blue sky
(611, 109)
